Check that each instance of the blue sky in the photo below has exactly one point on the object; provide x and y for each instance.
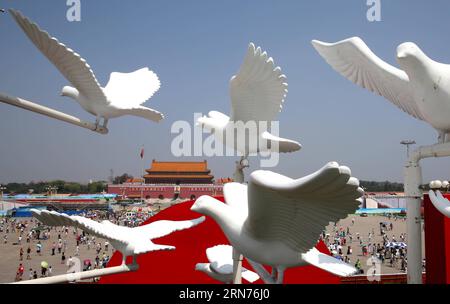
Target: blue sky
(195, 47)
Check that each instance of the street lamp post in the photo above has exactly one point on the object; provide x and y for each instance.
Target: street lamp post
(407, 143)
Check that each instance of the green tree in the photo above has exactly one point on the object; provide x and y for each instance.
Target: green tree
(121, 179)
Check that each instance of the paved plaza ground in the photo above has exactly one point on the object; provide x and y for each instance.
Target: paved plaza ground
(9, 252)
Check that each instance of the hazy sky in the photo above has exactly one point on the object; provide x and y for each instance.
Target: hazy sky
(195, 47)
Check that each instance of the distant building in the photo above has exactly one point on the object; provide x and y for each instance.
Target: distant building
(178, 173)
(171, 180)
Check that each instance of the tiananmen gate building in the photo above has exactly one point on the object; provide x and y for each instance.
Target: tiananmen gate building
(178, 173)
(167, 180)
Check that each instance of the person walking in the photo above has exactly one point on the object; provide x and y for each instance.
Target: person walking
(29, 253)
(39, 248)
(43, 272)
(99, 248)
(358, 265)
(19, 274)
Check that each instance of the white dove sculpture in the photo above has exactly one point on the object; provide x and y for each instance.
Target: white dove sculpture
(220, 266)
(440, 202)
(123, 95)
(421, 87)
(129, 241)
(257, 95)
(276, 220)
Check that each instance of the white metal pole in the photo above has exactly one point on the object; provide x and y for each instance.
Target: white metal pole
(237, 256)
(36, 108)
(413, 180)
(237, 267)
(71, 277)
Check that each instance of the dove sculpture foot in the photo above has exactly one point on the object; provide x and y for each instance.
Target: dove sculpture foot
(276, 277)
(274, 273)
(263, 273)
(442, 137)
(97, 122)
(101, 127)
(105, 122)
(280, 275)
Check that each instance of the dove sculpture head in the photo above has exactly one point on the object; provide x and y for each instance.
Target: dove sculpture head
(407, 50)
(71, 92)
(209, 123)
(410, 56)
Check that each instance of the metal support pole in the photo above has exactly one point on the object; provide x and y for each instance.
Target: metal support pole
(36, 108)
(238, 175)
(237, 256)
(413, 180)
(237, 267)
(72, 277)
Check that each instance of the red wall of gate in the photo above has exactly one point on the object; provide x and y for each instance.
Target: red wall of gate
(437, 244)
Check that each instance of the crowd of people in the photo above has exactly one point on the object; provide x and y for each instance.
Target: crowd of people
(390, 251)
